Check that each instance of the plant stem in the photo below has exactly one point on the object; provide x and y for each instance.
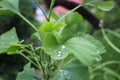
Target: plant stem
(109, 42)
(27, 21)
(68, 13)
(105, 64)
(49, 59)
(59, 66)
(28, 59)
(110, 71)
(36, 1)
(50, 9)
(91, 73)
(42, 64)
(38, 62)
(40, 67)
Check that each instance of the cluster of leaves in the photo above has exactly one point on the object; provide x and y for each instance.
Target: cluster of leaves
(65, 54)
(7, 21)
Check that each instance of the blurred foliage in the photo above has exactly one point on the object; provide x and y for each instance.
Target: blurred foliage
(10, 65)
(113, 19)
(13, 20)
(112, 22)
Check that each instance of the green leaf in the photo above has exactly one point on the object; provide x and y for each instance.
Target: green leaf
(105, 6)
(27, 74)
(52, 48)
(5, 12)
(7, 38)
(50, 27)
(85, 51)
(72, 71)
(47, 27)
(89, 2)
(13, 48)
(67, 33)
(36, 36)
(49, 41)
(99, 46)
(11, 5)
(27, 66)
(73, 18)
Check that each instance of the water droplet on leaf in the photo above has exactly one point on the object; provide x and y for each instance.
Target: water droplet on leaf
(98, 51)
(59, 53)
(63, 46)
(98, 58)
(65, 74)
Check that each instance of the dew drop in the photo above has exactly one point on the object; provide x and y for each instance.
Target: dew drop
(98, 51)
(63, 46)
(59, 53)
(68, 77)
(98, 58)
(65, 74)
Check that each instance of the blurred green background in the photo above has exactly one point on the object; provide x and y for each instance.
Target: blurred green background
(10, 65)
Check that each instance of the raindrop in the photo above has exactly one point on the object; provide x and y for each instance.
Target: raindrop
(63, 46)
(98, 58)
(68, 77)
(65, 74)
(59, 53)
(98, 51)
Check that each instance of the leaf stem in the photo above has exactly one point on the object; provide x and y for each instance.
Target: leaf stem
(105, 64)
(37, 61)
(28, 59)
(27, 21)
(59, 65)
(50, 9)
(110, 71)
(108, 41)
(91, 73)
